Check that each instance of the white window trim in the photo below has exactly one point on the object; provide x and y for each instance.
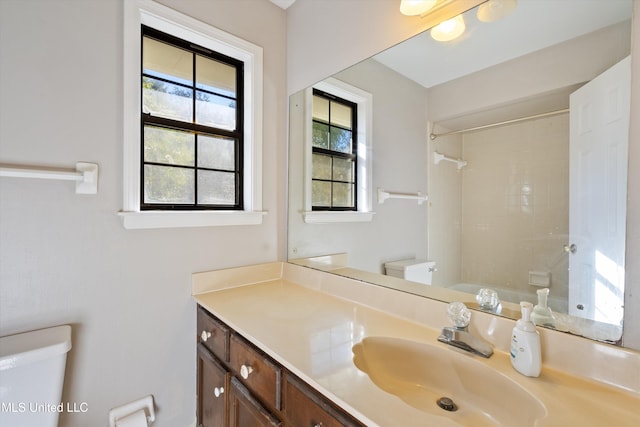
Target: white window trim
(147, 12)
(364, 100)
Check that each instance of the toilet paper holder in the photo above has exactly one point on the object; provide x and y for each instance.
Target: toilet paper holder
(145, 403)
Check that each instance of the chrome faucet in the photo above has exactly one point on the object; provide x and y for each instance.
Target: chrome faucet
(459, 335)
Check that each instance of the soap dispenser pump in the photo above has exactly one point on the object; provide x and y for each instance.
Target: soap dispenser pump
(542, 315)
(525, 344)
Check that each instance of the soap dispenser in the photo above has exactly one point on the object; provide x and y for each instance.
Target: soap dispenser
(525, 344)
(542, 315)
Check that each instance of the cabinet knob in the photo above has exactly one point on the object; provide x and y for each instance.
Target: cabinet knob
(218, 391)
(204, 336)
(245, 371)
(318, 424)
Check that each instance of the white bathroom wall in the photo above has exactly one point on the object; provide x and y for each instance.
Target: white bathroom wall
(65, 258)
(399, 227)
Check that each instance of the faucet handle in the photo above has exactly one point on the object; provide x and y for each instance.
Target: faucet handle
(459, 314)
(488, 299)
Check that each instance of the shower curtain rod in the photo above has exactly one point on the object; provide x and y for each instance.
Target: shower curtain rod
(433, 136)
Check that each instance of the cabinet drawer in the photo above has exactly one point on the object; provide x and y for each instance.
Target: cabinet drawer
(305, 407)
(261, 376)
(213, 335)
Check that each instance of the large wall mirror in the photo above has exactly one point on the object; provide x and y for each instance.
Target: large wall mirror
(498, 156)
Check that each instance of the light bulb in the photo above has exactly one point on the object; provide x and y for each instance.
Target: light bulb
(416, 7)
(449, 30)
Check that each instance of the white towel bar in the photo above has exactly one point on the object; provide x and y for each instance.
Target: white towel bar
(437, 158)
(85, 175)
(384, 195)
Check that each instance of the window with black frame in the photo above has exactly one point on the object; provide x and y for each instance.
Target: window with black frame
(192, 138)
(334, 153)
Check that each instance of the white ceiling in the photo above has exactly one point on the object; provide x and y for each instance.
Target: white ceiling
(483, 45)
(283, 3)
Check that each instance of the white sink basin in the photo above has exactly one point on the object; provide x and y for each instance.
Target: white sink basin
(421, 374)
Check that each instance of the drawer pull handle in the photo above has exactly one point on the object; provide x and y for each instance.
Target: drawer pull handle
(204, 336)
(218, 391)
(245, 371)
(318, 424)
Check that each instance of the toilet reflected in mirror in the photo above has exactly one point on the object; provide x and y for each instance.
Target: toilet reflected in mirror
(414, 270)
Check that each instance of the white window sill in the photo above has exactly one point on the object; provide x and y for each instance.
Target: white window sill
(320, 217)
(167, 219)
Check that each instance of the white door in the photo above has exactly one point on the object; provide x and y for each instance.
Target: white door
(599, 140)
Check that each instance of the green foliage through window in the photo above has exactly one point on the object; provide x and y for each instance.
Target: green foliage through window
(191, 126)
(334, 153)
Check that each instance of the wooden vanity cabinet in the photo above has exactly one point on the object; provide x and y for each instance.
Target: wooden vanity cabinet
(257, 390)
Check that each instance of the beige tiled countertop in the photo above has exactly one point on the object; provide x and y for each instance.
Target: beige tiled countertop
(296, 316)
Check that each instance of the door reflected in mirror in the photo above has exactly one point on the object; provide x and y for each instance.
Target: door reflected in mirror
(516, 132)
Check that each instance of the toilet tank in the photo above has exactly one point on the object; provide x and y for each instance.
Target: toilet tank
(416, 270)
(32, 366)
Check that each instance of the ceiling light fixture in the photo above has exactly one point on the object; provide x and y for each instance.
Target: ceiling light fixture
(449, 30)
(494, 10)
(416, 7)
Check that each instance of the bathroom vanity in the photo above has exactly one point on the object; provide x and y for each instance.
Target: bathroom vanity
(283, 345)
(239, 385)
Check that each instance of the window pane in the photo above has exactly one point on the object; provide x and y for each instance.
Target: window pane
(217, 111)
(168, 62)
(164, 184)
(216, 188)
(334, 161)
(340, 140)
(341, 115)
(342, 195)
(216, 152)
(320, 135)
(168, 146)
(321, 167)
(164, 99)
(320, 109)
(342, 169)
(321, 193)
(215, 76)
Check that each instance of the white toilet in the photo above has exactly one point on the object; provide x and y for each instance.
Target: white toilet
(32, 368)
(416, 270)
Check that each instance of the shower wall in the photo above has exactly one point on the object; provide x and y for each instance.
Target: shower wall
(515, 204)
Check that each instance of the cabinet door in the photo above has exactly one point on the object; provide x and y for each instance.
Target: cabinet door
(305, 407)
(213, 384)
(246, 411)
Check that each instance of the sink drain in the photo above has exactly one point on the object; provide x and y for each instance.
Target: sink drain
(447, 404)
